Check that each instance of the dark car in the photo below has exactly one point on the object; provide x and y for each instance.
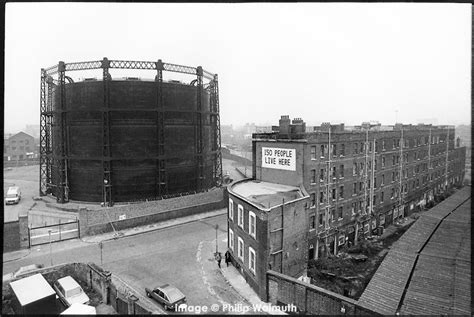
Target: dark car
(167, 295)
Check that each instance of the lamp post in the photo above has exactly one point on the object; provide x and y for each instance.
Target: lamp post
(217, 227)
(105, 191)
(101, 246)
(50, 247)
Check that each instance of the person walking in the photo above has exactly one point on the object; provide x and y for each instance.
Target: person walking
(219, 258)
(227, 257)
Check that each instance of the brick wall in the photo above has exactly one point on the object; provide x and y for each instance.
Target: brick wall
(284, 290)
(233, 157)
(98, 221)
(11, 236)
(23, 231)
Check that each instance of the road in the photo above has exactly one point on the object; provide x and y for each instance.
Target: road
(27, 178)
(181, 255)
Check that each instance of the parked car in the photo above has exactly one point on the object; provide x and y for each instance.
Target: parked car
(70, 292)
(21, 271)
(167, 295)
(13, 195)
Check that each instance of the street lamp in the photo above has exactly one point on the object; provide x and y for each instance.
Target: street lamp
(50, 247)
(101, 246)
(105, 192)
(217, 227)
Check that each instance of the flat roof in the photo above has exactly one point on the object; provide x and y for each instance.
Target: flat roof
(31, 288)
(265, 194)
(428, 270)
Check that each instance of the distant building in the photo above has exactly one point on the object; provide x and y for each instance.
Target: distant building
(358, 180)
(20, 146)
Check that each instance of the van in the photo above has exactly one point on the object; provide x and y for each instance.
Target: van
(13, 195)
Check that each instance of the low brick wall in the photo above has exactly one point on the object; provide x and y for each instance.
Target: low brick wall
(11, 236)
(98, 221)
(310, 299)
(90, 228)
(240, 159)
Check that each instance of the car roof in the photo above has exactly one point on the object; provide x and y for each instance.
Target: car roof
(172, 292)
(68, 283)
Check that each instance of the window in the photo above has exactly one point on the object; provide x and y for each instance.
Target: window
(375, 164)
(321, 219)
(383, 161)
(339, 214)
(241, 216)
(334, 171)
(383, 180)
(361, 168)
(354, 188)
(393, 159)
(313, 200)
(333, 215)
(252, 258)
(313, 152)
(333, 193)
(383, 145)
(312, 222)
(252, 224)
(321, 174)
(355, 148)
(374, 200)
(361, 186)
(240, 252)
(334, 149)
(322, 150)
(231, 209)
(343, 149)
(354, 169)
(381, 197)
(231, 239)
(341, 171)
(313, 176)
(361, 148)
(341, 192)
(375, 182)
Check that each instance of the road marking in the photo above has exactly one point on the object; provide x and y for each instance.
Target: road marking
(210, 289)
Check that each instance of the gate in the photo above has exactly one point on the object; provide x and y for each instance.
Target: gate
(54, 233)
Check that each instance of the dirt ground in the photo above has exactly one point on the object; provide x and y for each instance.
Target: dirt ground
(347, 276)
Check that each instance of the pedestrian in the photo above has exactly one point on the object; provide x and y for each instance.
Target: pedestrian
(227, 257)
(219, 258)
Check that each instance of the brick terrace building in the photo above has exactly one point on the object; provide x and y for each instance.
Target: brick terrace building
(360, 178)
(267, 229)
(356, 181)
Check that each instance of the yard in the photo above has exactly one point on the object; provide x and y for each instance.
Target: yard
(349, 272)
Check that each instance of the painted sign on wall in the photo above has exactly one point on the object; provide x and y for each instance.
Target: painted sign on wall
(284, 159)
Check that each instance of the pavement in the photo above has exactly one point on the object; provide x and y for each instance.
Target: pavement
(230, 274)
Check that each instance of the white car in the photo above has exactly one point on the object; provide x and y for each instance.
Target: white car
(70, 292)
(13, 195)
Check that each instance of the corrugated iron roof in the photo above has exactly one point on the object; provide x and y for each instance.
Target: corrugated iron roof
(428, 270)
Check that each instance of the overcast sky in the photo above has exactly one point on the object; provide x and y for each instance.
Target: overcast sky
(321, 62)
